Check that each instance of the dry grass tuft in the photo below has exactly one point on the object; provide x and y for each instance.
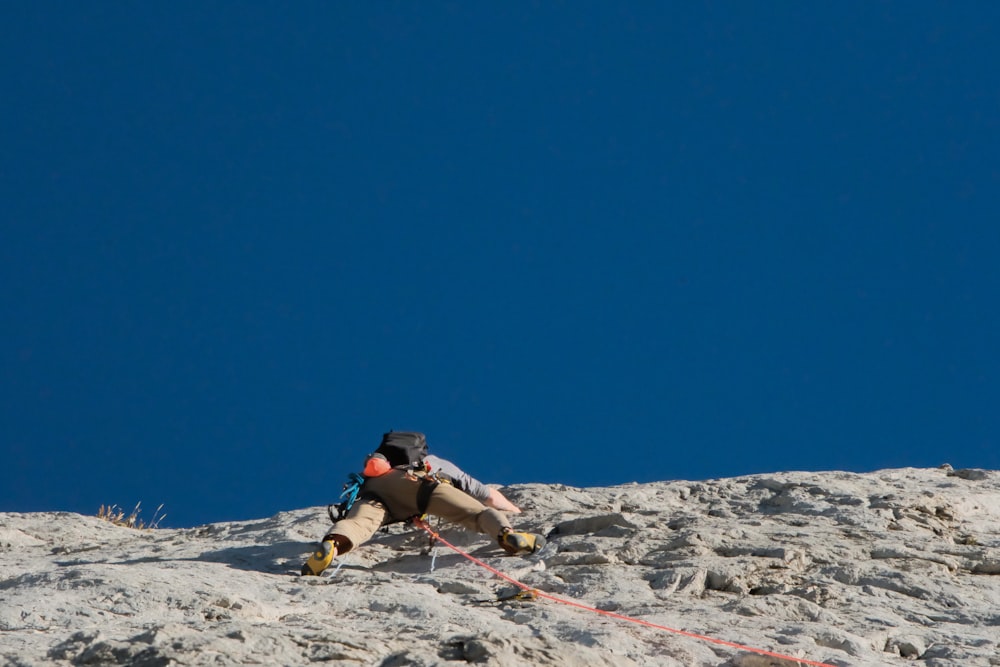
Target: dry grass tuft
(116, 515)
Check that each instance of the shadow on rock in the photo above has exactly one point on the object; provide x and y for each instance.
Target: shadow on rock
(270, 558)
(260, 558)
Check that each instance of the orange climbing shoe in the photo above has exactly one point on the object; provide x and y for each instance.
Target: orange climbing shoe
(321, 559)
(519, 544)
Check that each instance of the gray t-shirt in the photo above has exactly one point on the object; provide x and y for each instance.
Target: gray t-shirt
(459, 477)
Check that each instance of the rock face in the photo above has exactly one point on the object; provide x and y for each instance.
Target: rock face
(895, 567)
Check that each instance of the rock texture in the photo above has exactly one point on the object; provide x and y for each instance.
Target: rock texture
(895, 567)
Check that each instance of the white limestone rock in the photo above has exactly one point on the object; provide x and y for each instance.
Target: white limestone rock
(882, 568)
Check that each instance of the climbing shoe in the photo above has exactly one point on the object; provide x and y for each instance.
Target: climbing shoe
(518, 544)
(320, 559)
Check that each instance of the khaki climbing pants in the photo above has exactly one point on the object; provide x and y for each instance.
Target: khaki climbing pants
(397, 500)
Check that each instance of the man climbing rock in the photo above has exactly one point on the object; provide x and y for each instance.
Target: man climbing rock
(401, 481)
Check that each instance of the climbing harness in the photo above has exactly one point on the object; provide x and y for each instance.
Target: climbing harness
(427, 485)
(535, 593)
(429, 481)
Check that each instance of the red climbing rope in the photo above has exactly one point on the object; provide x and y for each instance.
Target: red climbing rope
(420, 523)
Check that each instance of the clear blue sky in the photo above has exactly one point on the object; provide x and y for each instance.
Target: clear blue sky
(577, 242)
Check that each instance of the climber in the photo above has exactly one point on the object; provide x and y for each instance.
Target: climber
(401, 481)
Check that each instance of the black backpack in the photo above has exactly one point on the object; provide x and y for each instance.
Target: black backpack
(403, 448)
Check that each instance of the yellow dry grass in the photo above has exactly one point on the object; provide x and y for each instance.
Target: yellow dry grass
(116, 515)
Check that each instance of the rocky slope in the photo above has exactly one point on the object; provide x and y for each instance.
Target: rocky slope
(895, 567)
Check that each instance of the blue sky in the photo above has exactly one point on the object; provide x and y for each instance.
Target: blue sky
(580, 243)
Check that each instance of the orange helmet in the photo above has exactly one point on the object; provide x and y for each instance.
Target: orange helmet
(376, 466)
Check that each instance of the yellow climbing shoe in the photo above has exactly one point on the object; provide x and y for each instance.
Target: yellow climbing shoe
(321, 559)
(518, 544)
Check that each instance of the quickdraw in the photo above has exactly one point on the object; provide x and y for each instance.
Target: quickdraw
(529, 595)
(347, 498)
